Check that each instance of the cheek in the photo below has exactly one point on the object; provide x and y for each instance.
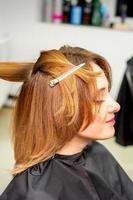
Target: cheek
(92, 131)
(101, 114)
(97, 131)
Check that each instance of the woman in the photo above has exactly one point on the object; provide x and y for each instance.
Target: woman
(63, 107)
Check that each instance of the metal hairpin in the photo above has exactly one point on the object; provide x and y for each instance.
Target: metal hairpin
(53, 82)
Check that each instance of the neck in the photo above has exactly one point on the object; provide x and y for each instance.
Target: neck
(75, 145)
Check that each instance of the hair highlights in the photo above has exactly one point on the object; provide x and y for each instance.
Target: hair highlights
(46, 118)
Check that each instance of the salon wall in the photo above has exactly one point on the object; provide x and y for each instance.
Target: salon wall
(28, 35)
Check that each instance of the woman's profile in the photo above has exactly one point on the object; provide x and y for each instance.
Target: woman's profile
(63, 107)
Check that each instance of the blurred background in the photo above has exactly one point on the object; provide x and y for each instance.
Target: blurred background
(103, 26)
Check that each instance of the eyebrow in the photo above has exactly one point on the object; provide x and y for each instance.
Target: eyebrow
(102, 89)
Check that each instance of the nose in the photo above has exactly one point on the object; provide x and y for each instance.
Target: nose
(114, 106)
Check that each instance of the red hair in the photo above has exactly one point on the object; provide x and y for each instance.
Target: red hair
(46, 118)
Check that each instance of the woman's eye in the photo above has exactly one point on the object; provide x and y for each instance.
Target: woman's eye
(99, 101)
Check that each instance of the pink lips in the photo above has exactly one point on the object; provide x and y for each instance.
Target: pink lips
(111, 121)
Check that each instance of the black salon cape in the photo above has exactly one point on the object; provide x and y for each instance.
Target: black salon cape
(92, 174)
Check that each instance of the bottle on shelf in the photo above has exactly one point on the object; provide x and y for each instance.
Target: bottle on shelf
(76, 12)
(123, 12)
(123, 25)
(66, 11)
(96, 19)
(47, 10)
(105, 16)
(87, 8)
(57, 11)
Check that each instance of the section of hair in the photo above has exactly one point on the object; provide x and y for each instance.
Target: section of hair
(13, 71)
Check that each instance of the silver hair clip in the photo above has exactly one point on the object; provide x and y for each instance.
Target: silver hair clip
(65, 75)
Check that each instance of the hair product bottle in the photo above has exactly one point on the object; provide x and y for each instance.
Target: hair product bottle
(96, 13)
(105, 16)
(57, 11)
(123, 12)
(87, 8)
(76, 12)
(66, 11)
(47, 10)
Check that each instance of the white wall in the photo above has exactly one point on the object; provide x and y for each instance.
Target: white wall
(21, 19)
(14, 12)
(116, 46)
(4, 55)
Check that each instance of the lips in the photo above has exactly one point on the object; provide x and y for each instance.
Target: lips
(111, 120)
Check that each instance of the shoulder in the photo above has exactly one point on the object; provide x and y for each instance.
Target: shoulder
(100, 160)
(24, 185)
(99, 152)
(17, 185)
(97, 147)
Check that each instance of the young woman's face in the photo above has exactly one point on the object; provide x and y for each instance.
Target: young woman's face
(103, 125)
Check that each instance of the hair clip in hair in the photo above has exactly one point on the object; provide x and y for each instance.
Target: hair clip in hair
(65, 75)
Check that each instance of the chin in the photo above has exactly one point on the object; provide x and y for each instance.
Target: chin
(110, 133)
(106, 134)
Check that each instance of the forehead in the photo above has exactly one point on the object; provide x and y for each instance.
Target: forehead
(101, 80)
